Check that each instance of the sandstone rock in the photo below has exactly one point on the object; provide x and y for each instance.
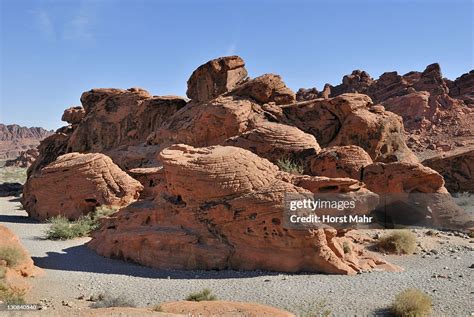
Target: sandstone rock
(215, 78)
(414, 108)
(457, 169)
(74, 115)
(340, 161)
(117, 117)
(275, 141)
(463, 88)
(349, 120)
(152, 180)
(305, 94)
(49, 149)
(25, 159)
(267, 88)
(431, 80)
(74, 184)
(223, 210)
(203, 124)
(15, 275)
(223, 308)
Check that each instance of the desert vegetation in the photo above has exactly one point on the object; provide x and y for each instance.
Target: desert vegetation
(398, 242)
(11, 255)
(290, 166)
(108, 300)
(411, 303)
(63, 229)
(204, 295)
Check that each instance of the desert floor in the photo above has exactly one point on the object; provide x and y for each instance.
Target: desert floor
(442, 267)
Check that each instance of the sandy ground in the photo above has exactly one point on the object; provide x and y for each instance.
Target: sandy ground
(441, 268)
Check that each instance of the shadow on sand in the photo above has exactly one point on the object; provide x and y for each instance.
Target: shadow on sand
(82, 259)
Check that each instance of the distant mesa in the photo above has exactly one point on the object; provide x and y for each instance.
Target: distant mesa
(15, 139)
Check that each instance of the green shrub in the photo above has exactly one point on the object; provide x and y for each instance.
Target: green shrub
(11, 255)
(411, 303)
(63, 229)
(12, 296)
(346, 248)
(107, 300)
(398, 241)
(203, 295)
(290, 166)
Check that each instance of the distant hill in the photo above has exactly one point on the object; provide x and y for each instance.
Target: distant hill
(15, 139)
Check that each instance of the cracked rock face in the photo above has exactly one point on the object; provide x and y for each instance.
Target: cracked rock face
(223, 210)
(74, 184)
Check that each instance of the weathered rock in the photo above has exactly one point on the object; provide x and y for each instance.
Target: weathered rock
(15, 275)
(117, 117)
(267, 88)
(463, 88)
(74, 184)
(275, 141)
(305, 94)
(350, 119)
(223, 209)
(223, 308)
(215, 78)
(406, 186)
(340, 161)
(25, 159)
(49, 149)
(152, 179)
(74, 115)
(457, 169)
(211, 123)
(431, 80)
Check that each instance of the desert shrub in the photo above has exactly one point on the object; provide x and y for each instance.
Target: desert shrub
(158, 308)
(205, 294)
(12, 296)
(346, 248)
(63, 229)
(3, 271)
(411, 303)
(315, 309)
(398, 241)
(11, 255)
(107, 300)
(290, 166)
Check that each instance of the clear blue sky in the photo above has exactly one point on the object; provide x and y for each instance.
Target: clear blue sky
(52, 51)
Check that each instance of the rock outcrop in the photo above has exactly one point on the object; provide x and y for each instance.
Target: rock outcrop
(25, 159)
(215, 78)
(223, 209)
(267, 88)
(15, 139)
(14, 272)
(74, 184)
(457, 169)
(74, 115)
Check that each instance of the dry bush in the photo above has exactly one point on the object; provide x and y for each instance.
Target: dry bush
(11, 255)
(290, 166)
(411, 303)
(107, 300)
(398, 241)
(205, 294)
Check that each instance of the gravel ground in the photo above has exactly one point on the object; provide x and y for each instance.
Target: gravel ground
(73, 271)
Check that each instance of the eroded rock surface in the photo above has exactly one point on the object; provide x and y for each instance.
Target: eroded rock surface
(223, 210)
(74, 184)
(25, 159)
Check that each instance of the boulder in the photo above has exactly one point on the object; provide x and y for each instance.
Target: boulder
(74, 115)
(305, 94)
(340, 161)
(25, 159)
(74, 184)
(215, 78)
(457, 169)
(275, 141)
(352, 119)
(267, 88)
(223, 209)
(463, 88)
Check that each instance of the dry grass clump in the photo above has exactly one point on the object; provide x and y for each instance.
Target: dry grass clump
(11, 255)
(63, 229)
(411, 303)
(290, 166)
(398, 241)
(11, 295)
(204, 295)
(107, 300)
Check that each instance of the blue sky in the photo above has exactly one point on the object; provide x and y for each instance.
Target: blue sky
(52, 51)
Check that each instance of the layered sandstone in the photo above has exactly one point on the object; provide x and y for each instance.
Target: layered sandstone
(223, 209)
(74, 184)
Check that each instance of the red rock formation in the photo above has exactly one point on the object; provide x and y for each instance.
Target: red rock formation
(463, 88)
(457, 169)
(25, 159)
(340, 161)
(15, 139)
(215, 78)
(74, 184)
(223, 209)
(267, 88)
(74, 115)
